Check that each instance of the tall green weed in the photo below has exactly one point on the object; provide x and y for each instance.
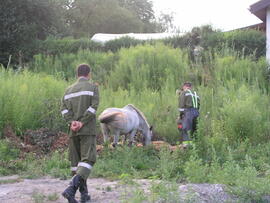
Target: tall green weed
(29, 101)
(149, 66)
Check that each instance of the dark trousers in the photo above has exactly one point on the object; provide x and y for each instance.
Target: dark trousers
(189, 123)
(82, 154)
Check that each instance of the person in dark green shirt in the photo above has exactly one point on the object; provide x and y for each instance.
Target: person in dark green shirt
(189, 104)
(79, 106)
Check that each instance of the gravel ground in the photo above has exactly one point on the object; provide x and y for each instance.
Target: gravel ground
(14, 189)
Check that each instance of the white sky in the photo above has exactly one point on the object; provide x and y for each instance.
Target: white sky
(221, 14)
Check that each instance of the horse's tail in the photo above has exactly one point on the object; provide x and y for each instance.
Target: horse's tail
(108, 117)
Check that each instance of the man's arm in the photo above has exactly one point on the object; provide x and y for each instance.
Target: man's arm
(90, 113)
(66, 110)
(181, 103)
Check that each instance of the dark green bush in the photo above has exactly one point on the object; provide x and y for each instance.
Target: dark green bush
(30, 101)
(124, 42)
(247, 42)
(53, 47)
(64, 65)
(7, 152)
(149, 66)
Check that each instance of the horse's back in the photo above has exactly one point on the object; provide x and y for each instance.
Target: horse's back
(125, 119)
(108, 110)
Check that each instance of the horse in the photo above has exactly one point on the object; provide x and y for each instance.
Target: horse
(126, 120)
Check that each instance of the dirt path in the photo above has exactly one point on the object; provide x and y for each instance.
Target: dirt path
(47, 189)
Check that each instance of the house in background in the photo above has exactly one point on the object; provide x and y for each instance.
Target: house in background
(261, 9)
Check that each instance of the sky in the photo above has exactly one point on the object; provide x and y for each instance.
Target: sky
(221, 14)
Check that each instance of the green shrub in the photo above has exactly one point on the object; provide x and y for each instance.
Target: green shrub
(149, 66)
(30, 101)
(9, 155)
(138, 162)
(54, 46)
(196, 171)
(164, 192)
(64, 65)
(240, 120)
(57, 165)
(123, 42)
(248, 186)
(7, 152)
(247, 42)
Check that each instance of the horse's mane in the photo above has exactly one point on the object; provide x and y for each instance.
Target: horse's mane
(140, 113)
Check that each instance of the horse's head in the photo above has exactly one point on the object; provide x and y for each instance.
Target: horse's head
(149, 135)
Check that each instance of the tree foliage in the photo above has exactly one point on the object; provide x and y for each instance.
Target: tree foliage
(88, 17)
(22, 21)
(25, 21)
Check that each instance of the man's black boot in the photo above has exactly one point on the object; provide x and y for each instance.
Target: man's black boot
(70, 191)
(85, 197)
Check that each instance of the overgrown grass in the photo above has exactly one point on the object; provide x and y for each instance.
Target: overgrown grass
(232, 145)
(242, 177)
(64, 65)
(29, 101)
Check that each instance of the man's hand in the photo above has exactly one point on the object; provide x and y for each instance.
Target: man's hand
(76, 126)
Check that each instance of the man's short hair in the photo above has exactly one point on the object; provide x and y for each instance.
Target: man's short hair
(83, 70)
(187, 84)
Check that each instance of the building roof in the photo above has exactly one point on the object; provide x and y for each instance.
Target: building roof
(103, 38)
(259, 9)
(259, 26)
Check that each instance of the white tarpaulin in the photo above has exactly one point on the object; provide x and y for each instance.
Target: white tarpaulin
(103, 38)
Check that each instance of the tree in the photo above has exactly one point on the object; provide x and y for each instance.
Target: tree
(87, 17)
(165, 23)
(142, 9)
(24, 21)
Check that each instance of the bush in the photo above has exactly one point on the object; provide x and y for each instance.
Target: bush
(7, 152)
(123, 42)
(241, 121)
(149, 66)
(247, 42)
(54, 46)
(64, 65)
(7, 156)
(57, 165)
(138, 162)
(30, 101)
(196, 171)
(242, 181)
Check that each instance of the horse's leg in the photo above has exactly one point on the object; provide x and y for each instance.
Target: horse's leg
(131, 138)
(105, 132)
(116, 138)
(125, 138)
